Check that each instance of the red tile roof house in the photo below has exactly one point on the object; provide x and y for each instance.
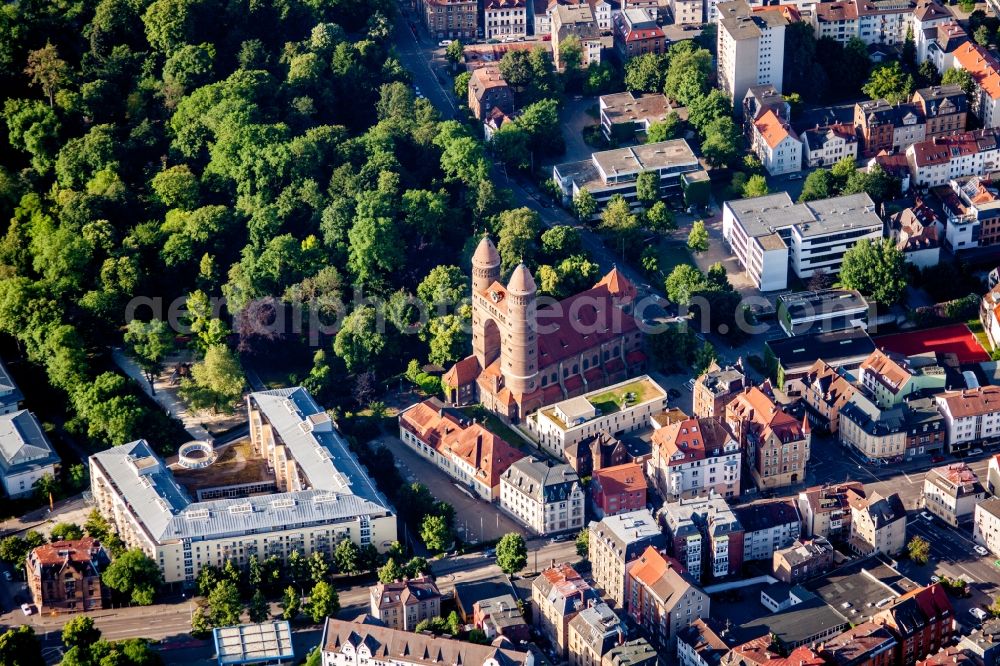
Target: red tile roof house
(65, 576)
(922, 622)
(618, 489)
(465, 450)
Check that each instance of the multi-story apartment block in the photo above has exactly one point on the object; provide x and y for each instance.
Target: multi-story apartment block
(705, 536)
(26, 455)
(951, 492)
(827, 390)
(925, 430)
(501, 616)
(878, 524)
(403, 604)
(986, 525)
(758, 101)
(593, 633)
(366, 642)
(776, 445)
(311, 492)
(867, 644)
(993, 475)
(467, 452)
(883, 126)
(546, 498)
(614, 542)
(921, 621)
(713, 390)
(942, 159)
(695, 457)
(619, 489)
(985, 71)
(636, 33)
(750, 47)
(770, 233)
(945, 109)
(488, 91)
(557, 595)
(802, 560)
(889, 378)
(10, 394)
(776, 145)
(970, 415)
(768, 526)
(971, 205)
(662, 598)
(687, 12)
(918, 232)
(876, 433)
(611, 172)
(452, 19)
(577, 20)
(823, 146)
(65, 576)
(505, 19)
(625, 116)
(825, 511)
(621, 408)
(703, 643)
(637, 652)
(925, 21)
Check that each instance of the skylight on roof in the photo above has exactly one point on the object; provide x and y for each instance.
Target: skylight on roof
(240, 509)
(197, 514)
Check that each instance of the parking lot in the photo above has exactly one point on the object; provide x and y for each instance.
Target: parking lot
(475, 520)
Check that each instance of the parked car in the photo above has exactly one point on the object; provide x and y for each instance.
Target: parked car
(980, 550)
(935, 579)
(937, 459)
(561, 538)
(978, 613)
(27, 609)
(489, 552)
(926, 516)
(444, 42)
(976, 452)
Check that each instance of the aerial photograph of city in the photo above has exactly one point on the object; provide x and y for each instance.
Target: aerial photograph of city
(500, 332)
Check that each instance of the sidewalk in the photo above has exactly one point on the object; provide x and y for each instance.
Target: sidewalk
(163, 397)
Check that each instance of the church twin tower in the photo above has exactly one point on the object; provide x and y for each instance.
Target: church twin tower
(504, 322)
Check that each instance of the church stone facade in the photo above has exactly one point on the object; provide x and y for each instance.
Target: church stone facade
(525, 356)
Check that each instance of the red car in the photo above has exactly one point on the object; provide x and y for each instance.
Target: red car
(937, 459)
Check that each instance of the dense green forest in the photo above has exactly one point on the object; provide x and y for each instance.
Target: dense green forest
(262, 154)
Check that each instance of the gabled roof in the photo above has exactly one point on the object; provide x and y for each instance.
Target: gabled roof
(627, 478)
(23, 444)
(773, 129)
(982, 65)
(662, 576)
(764, 416)
(691, 440)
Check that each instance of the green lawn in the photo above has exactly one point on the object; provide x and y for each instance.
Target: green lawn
(673, 253)
(976, 327)
(637, 392)
(493, 423)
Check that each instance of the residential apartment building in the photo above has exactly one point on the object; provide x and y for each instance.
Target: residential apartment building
(617, 540)
(889, 378)
(662, 598)
(927, 19)
(314, 494)
(770, 233)
(10, 395)
(867, 644)
(636, 652)
(768, 526)
(593, 633)
(919, 233)
(986, 525)
(758, 101)
(637, 33)
(403, 604)
(776, 145)
(467, 452)
(970, 415)
(597, 452)
(878, 524)
(619, 489)
(925, 428)
(611, 172)
(703, 643)
(544, 497)
(921, 620)
(570, 421)
(687, 12)
(625, 116)
(715, 388)
(946, 158)
(802, 560)
(876, 433)
(837, 20)
(577, 20)
(505, 19)
(695, 457)
(989, 315)
(886, 127)
(872, 21)
(985, 71)
(775, 444)
(951, 493)
(488, 91)
(366, 641)
(501, 616)
(65, 576)
(825, 511)
(827, 145)
(705, 536)
(827, 390)
(750, 48)
(945, 109)
(972, 213)
(26, 455)
(451, 19)
(557, 595)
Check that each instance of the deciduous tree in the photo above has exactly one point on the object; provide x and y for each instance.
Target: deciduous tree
(511, 553)
(876, 269)
(697, 240)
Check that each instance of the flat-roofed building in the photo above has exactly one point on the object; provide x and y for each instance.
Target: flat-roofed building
(705, 536)
(621, 408)
(770, 233)
(811, 312)
(637, 652)
(768, 526)
(612, 172)
(577, 20)
(750, 47)
(617, 540)
(951, 493)
(625, 116)
(264, 643)
(795, 357)
(311, 494)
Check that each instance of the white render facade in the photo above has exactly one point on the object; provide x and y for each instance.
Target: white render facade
(966, 426)
(986, 525)
(547, 500)
(505, 19)
(751, 52)
(785, 157)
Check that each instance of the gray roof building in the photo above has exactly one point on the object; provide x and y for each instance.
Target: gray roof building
(10, 394)
(599, 628)
(540, 480)
(633, 653)
(25, 451)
